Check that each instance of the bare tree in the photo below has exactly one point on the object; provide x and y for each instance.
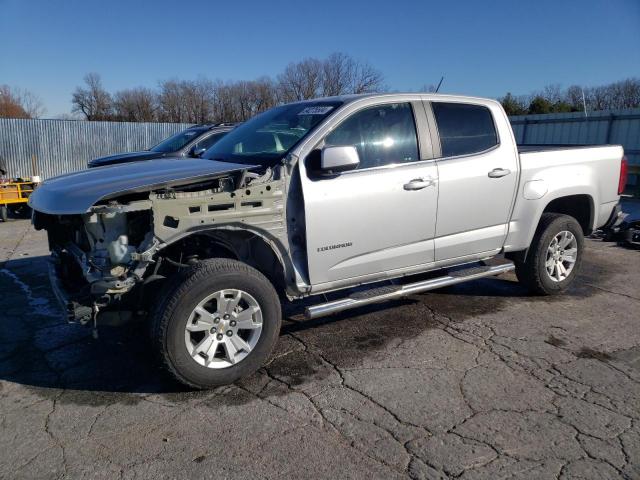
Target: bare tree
(338, 74)
(135, 105)
(239, 101)
(203, 100)
(202, 93)
(599, 98)
(301, 80)
(252, 97)
(93, 101)
(265, 94)
(197, 99)
(553, 93)
(171, 107)
(366, 79)
(613, 96)
(223, 102)
(187, 101)
(32, 104)
(19, 103)
(625, 94)
(573, 97)
(343, 74)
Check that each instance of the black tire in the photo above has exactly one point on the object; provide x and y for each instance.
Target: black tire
(532, 272)
(20, 210)
(3, 213)
(182, 294)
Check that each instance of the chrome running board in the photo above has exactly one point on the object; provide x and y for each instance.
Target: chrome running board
(383, 294)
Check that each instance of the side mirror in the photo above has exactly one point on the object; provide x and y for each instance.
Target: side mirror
(197, 151)
(337, 159)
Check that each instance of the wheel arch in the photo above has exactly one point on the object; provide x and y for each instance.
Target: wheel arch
(243, 244)
(579, 206)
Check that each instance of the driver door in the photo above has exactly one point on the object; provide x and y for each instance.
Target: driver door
(381, 217)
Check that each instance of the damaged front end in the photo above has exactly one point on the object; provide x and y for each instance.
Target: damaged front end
(98, 258)
(105, 256)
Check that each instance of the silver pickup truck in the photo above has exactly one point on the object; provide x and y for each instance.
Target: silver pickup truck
(351, 195)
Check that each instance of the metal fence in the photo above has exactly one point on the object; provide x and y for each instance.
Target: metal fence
(52, 147)
(606, 127)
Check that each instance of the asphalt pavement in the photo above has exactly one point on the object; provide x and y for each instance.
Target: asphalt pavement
(478, 381)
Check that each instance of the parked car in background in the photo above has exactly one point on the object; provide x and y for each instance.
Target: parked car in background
(191, 142)
(314, 197)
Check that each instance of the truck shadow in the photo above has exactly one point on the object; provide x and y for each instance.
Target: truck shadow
(39, 350)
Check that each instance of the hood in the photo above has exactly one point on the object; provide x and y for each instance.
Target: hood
(75, 193)
(124, 157)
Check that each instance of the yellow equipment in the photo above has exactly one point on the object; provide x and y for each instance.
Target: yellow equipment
(14, 195)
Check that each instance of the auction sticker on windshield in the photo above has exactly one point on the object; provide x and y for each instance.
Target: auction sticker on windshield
(316, 111)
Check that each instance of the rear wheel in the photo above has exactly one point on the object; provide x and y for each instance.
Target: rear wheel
(554, 257)
(3, 213)
(218, 322)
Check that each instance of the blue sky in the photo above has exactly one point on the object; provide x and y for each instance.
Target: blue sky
(482, 47)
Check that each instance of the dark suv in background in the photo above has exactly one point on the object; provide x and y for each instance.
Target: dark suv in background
(191, 142)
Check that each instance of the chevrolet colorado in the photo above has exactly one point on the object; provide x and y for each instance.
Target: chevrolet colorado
(313, 197)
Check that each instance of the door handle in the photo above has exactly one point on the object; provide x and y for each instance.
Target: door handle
(499, 172)
(419, 183)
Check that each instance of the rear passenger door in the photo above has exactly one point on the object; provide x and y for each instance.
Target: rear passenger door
(477, 180)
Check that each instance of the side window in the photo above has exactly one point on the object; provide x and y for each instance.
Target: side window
(464, 128)
(210, 140)
(383, 135)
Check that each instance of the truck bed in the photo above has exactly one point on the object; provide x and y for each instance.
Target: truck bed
(593, 170)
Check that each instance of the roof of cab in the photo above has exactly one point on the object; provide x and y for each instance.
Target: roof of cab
(353, 97)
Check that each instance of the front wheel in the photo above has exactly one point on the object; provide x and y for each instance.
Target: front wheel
(3, 213)
(218, 323)
(554, 257)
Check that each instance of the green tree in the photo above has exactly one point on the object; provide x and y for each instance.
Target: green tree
(562, 107)
(540, 104)
(513, 105)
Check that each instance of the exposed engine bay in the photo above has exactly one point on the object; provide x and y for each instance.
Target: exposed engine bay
(108, 262)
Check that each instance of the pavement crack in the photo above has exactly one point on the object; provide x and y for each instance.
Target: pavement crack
(586, 452)
(95, 420)
(52, 436)
(596, 287)
(344, 384)
(13, 250)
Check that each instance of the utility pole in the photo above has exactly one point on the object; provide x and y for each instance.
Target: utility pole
(584, 103)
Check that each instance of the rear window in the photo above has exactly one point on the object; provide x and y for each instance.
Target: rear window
(464, 129)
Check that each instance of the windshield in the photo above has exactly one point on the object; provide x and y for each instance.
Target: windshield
(268, 137)
(177, 142)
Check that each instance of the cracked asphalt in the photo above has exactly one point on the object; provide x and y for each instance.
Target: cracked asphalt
(479, 381)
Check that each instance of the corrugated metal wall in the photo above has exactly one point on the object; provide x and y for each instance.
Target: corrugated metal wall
(606, 127)
(61, 146)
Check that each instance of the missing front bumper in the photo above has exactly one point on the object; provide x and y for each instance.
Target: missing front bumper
(75, 310)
